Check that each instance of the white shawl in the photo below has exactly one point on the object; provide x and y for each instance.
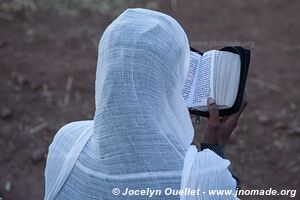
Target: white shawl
(141, 130)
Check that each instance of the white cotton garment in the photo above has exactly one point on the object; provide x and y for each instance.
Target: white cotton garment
(207, 173)
(141, 130)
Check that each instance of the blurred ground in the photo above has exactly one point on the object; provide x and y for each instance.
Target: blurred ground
(48, 52)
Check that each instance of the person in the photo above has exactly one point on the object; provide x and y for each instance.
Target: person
(139, 140)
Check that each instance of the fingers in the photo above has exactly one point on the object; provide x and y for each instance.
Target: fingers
(213, 112)
(224, 118)
(233, 119)
(244, 104)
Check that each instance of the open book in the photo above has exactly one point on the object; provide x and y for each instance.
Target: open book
(220, 74)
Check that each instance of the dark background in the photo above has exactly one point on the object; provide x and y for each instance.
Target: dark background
(48, 54)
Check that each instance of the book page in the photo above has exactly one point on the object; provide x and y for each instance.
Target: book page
(227, 76)
(204, 80)
(188, 87)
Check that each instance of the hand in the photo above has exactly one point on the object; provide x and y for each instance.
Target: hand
(220, 129)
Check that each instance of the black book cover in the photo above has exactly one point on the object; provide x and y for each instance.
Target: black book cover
(245, 61)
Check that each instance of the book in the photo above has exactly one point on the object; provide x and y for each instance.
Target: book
(219, 74)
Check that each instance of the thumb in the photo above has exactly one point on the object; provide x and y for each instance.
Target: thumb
(213, 112)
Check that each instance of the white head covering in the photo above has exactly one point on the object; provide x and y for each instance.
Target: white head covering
(141, 129)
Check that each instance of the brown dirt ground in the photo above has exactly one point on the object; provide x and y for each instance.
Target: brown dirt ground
(40, 51)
